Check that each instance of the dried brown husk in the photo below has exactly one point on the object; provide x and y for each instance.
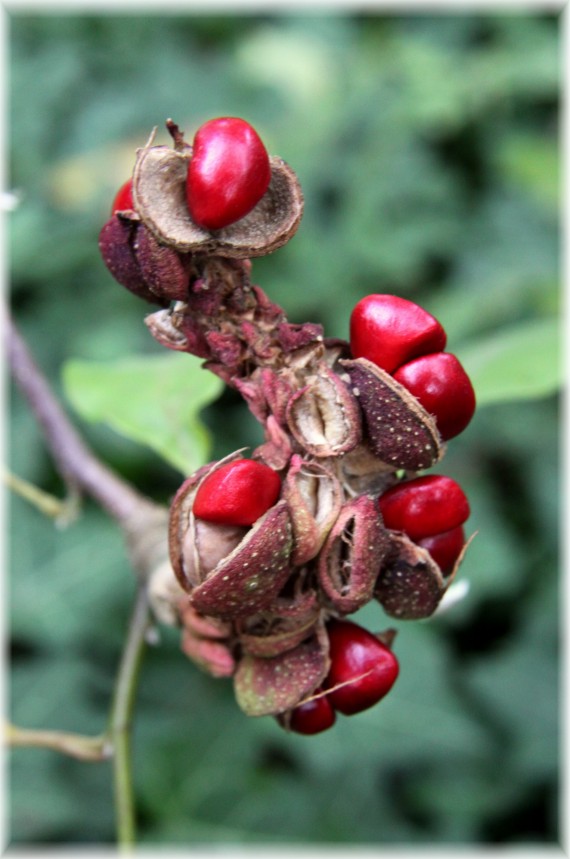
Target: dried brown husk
(324, 417)
(399, 430)
(165, 271)
(410, 585)
(268, 686)
(353, 554)
(315, 498)
(159, 193)
(116, 244)
(181, 519)
(286, 624)
(253, 574)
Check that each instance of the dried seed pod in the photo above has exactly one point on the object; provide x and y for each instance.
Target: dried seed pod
(410, 585)
(174, 329)
(166, 272)
(400, 432)
(267, 686)
(286, 624)
(165, 594)
(324, 417)
(205, 545)
(364, 474)
(353, 554)
(182, 527)
(252, 575)
(214, 657)
(117, 246)
(315, 497)
(159, 193)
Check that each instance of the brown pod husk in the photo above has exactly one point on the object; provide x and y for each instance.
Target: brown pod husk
(315, 498)
(165, 271)
(353, 554)
(364, 474)
(286, 624)
(410, 586)
(265, 687)
(253, 574)
(181, 520)
(324, 417)
(212, 656)
(399, 430)
(159, 194)
(116, 244)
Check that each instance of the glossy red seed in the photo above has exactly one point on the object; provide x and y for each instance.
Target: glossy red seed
(389, 331)
(237, 493)
(367, 667)
(424, 506)
(229, 172)
(124, 198)
(312, 717)
(443, 388)
(445, 548)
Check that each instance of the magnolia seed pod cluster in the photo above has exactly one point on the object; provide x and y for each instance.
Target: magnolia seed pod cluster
(271, 553)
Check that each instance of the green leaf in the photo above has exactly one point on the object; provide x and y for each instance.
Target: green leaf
(151, 400)
(521, 363)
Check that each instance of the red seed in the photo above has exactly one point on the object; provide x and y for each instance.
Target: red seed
(237, 493)
(389, 331)
(424, 506)
(360, 661)
(445, 548)
(443, 388)
(123, 201)
(229, 172)
(312, 717)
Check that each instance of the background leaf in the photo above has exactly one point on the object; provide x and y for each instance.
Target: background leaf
(151, 400)
(516, 363)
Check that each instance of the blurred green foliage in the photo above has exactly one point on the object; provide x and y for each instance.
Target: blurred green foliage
(427, 148)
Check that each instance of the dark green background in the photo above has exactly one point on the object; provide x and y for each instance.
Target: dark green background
(427, 148)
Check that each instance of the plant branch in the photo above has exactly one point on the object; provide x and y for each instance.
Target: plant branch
(144, 525)
(75, 745)
(78, 466)
(119, 729)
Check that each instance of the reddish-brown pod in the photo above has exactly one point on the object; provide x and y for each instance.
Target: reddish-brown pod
(443, 388)
(237, 493)
(229, 172)
(362, 668)
(123, 201)
(389, 331)
(424, 506)
(445, 548)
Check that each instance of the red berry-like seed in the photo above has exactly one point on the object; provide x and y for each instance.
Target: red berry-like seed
(124, 198)
(312, 717)
(229, 172)
(424, 506)
(358, 659)
(389, 331)
(445, 548)
(237, 493)
(443, 388)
